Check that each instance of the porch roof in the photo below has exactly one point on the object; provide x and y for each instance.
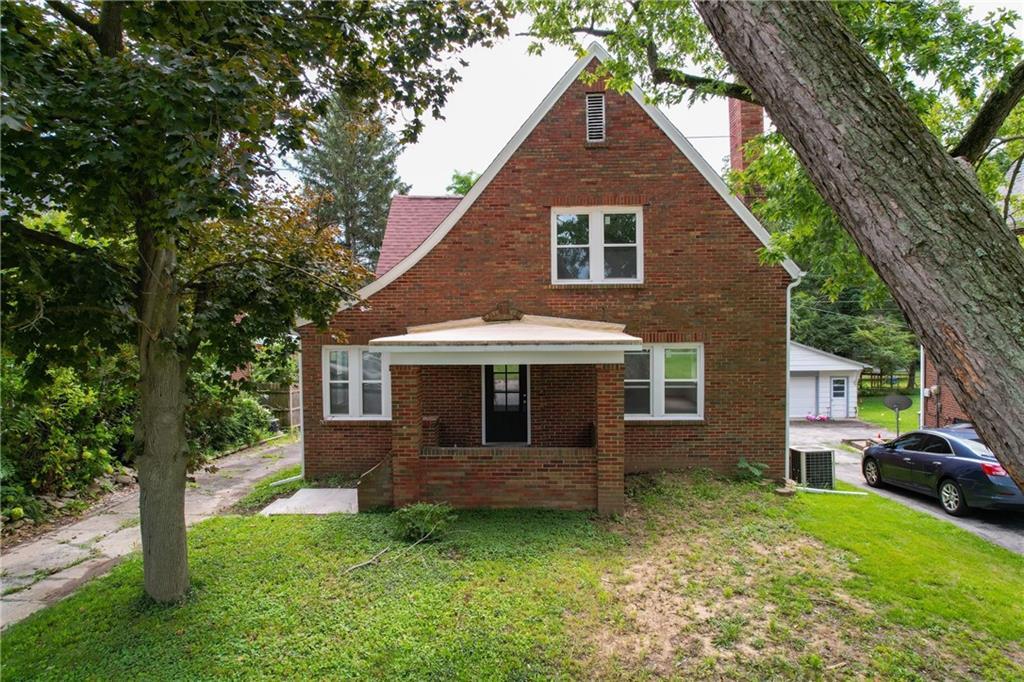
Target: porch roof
(527, 339)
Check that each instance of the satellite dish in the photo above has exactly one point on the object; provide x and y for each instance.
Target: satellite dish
(897, 402)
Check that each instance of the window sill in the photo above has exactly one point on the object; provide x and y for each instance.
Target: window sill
(356, 420)
(667, 421)
(596, 285)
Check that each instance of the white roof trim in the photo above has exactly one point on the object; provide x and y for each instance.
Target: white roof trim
(532, 331)
(595, 51)
(818, 351)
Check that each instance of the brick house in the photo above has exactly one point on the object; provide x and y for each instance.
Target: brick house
(938, 406)
(594, 306)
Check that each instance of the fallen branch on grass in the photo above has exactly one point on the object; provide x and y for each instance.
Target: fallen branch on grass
(372, 560)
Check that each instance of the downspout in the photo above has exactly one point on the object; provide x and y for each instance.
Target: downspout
(302, 422)
(789, 320)
(920, 391)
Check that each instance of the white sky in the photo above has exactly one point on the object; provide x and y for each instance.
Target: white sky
(499, 90)
(501, 87)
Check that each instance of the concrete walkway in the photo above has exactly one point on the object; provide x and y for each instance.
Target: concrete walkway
(53, 565)
(315, 502)
(1003, 528)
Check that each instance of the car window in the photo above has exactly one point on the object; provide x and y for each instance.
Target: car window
(934, 445)
(978, 448)
(908, 442)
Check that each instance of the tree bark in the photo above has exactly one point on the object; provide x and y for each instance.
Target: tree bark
(162, 451)
(912, 376)
(918, 215)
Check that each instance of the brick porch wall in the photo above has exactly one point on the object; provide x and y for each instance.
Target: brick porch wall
(502, 478)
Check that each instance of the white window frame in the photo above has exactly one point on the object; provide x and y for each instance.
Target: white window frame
(657, 351)
(355, 384)
(595, 243)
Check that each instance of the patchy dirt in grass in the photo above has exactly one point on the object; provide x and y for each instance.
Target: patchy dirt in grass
(724, 587)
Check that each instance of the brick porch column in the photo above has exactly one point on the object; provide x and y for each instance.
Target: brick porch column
(610, 439)
(406, 433)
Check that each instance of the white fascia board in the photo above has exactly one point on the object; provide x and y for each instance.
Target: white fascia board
(519, 356)
(853, 364)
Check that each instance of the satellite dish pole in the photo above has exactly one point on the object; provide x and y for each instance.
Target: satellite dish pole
(897, 402)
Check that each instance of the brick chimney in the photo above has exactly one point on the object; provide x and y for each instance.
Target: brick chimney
(746, 121)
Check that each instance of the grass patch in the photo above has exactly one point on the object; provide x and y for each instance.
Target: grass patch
(873, 411)
(700, 579)
(263, 493)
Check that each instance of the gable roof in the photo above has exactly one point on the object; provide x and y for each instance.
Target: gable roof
(817, 359)
(595, 51)
(411, 219)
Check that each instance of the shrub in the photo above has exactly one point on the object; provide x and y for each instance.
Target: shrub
(422, 521)
(60, 433)
(750, 471)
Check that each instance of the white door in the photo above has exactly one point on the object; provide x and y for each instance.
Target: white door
(803, 391)
(840, 391)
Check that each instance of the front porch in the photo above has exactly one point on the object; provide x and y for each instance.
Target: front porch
(517, 412)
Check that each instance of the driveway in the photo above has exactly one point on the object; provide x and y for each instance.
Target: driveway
(1002, 528)
(55, 564)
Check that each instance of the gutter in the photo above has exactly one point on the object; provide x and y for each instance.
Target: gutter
(789, 321)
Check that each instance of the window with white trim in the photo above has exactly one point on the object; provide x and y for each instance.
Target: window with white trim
(597, 245)
(665, 381)
(357, 383)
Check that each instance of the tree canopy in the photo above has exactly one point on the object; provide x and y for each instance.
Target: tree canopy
(153, 129)
(462, 182)
(349, 164)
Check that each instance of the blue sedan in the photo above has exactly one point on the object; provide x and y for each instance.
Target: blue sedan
(951, 464)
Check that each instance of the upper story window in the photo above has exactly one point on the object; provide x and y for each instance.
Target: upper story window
(357, 383)
(595, 117)
(665, 381)
(597, 245)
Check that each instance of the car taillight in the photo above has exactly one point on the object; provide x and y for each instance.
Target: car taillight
(993, 469)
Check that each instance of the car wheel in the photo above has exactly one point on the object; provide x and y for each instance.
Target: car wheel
(872, 474)
(951, 496)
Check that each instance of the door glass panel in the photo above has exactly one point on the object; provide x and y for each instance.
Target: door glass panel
(839, 388)
(499, 401)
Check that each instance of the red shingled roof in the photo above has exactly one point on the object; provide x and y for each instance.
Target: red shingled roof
(410, 221)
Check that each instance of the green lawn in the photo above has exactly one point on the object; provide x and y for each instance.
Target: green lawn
(700, 578)
(874, 411)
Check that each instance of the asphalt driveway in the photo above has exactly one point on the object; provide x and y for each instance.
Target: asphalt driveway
(1002, 528)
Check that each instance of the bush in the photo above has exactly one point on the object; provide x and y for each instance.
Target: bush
(60, 433)
(422, 521)
(750, 471)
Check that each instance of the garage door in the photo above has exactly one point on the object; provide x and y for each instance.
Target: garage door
(802, 395)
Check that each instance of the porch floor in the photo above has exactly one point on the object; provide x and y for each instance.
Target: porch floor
(316, 501)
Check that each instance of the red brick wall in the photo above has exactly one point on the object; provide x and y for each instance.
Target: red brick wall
(703, 282)
(746, 121)
(609, 442)
(947, 408)
(553, 478)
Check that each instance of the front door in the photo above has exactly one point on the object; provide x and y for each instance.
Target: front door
(505, 404)
(838, 405)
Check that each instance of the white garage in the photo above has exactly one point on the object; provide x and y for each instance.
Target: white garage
(822, 384)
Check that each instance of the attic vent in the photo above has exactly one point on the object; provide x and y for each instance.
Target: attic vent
(595, 117)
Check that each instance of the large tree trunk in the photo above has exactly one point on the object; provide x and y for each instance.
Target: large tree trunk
(951, 263)
(912, 376)
(162, 447)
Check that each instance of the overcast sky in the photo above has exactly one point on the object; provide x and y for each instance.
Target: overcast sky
(501, 87)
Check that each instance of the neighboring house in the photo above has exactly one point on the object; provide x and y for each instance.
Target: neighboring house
(593, 306)
(822, 383)
(938, 406)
